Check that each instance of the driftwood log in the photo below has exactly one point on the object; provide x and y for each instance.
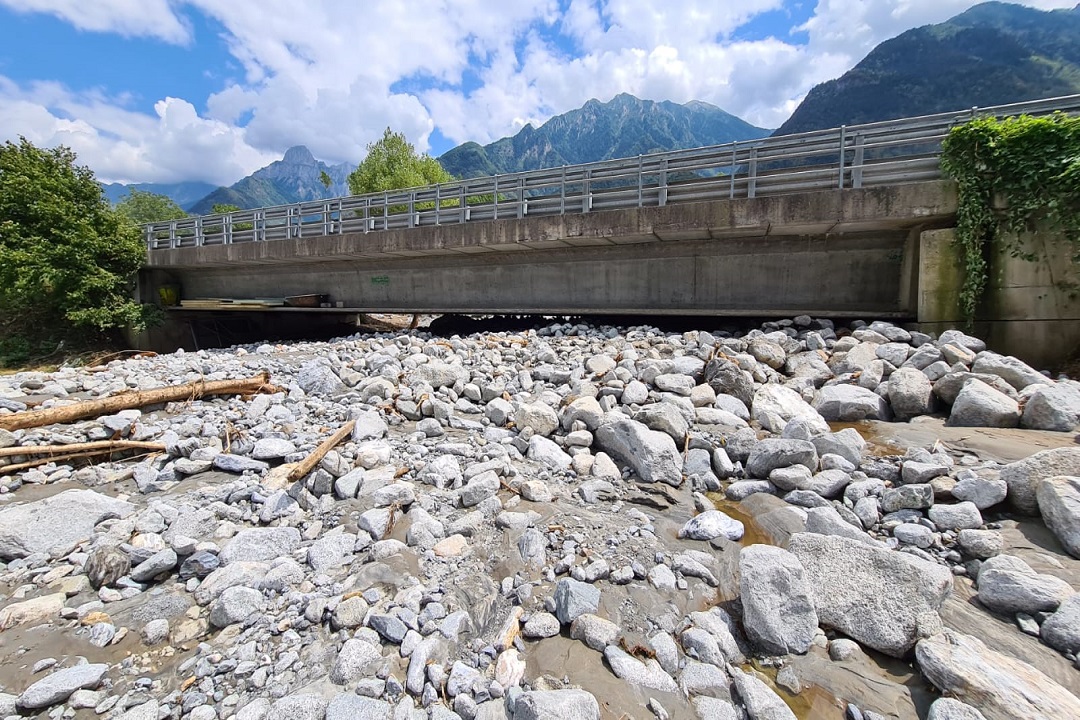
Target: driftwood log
(308, 464)
(141, 398)
(42, 454)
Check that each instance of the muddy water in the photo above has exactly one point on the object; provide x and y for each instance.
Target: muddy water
(811, 703)
(880, 441)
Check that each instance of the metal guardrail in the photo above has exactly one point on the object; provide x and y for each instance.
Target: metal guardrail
(855, 156)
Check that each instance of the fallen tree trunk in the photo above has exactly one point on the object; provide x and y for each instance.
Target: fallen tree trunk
(129, 400)
(99, 446)
(308, 464)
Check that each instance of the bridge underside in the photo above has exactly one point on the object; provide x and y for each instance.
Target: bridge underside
(850, 252)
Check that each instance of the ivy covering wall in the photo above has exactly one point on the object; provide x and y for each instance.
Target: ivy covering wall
(1015, 176)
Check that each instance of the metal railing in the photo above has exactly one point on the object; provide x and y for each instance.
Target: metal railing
(855, 156)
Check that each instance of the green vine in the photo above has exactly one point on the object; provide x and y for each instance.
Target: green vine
(1014, 176)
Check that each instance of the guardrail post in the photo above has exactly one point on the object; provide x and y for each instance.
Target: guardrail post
(586, 192)
(199, 238)
(520, 198)
(226, 229)
(172, 234)
(413, 219)
(640, 181)
(298, 213)
(663, 184)
(438, 202)
(340, 218)
(562, 192)
(495, 200)
(843, 150)
(751, 179)
(462, 217)
(734, 168)
(857, 162)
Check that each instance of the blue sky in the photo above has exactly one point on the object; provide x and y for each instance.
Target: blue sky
(171, 90)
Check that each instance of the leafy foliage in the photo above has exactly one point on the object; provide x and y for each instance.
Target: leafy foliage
(1017, 175)
(144, 207)
(67, 257)
(392, 163)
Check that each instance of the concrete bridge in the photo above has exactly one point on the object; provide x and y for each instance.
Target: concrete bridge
(849, 222)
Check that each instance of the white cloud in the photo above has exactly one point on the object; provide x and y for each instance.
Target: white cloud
(131, 18)
(333, 75)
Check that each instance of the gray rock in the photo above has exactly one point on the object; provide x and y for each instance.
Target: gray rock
(850, 403)
(235, 604)
(272, 449)
(948, 386)
(227, 462)
(979, 405)
(573, 599)
(908, 497)
(727, 378)
(350, 613)
(199, 565)
(997, 685)
(55, 525)
(961, 516)
(777, 453)
(949, 709)
(847, 443)
(984, 492)
(1013, 371)
(652, 455)
(1008, 585)
(1023, 476)
(247, 574)
(260, 545)
(331, 551)
(1061, 630)
(1053, 407)
(699, 678)
(760, 700)
(556, 705)
(537, 416)
(352, 662)
(826, 520)
(917, 473)
(879, 597)
(480, 488)
(778, 613)
(317, 377)
(155, 632)
(647, 674)
(389, 627)
(160, 562)
(910, 393)
(595, 631)
(774, 406)
(1059, 504)
(666, 418)
(541, 625)
(980, 544)
(712, 524)
(301, 706)
(106, 565)
(914, 534)
(708, 708)
(545, 451)
(58, 686)
(349, 706)
(791, 478)
(369, 426)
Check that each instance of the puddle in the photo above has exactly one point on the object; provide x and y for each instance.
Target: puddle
(812, 703)
(753, 533)
(880, 442)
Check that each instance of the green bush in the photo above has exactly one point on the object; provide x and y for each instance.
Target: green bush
(67, 257)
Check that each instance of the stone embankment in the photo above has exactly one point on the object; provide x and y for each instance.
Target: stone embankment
(577, 523)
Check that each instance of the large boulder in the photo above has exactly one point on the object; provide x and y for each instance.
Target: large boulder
(260, 545)
(1061, 630)
(997, 685)
(948, 386)
(910, 393)
(653, 455)
(556, 705)
(1013, 371)
(1023, 476)
(58, 686)
(979, 405)
(774, 406)
(774, 453)
(56, 524)
(1008, 585)
(727, 378)
(879, 597)
(851, 403)
(1053, 407)
(1059, 505)
(778, 613)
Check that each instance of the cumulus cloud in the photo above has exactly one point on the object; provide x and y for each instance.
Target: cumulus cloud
(131, 18)
(333, 75)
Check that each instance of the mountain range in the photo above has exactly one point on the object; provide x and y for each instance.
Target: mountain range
(183, 194)
(993, 53)
(624, 127)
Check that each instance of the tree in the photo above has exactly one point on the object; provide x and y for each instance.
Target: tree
(223, 208)
(67, 257)
(146, 207)
(393, 164)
